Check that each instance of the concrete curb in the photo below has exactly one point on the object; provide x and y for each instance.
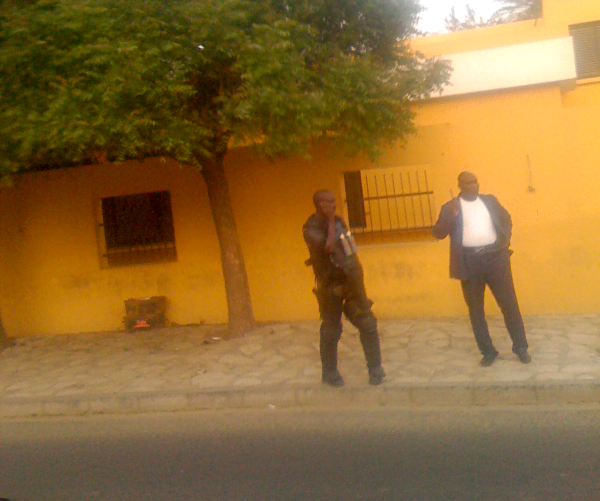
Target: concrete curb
(464, 395)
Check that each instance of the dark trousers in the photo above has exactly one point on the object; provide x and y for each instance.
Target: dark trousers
(493, 269)
(335, 300)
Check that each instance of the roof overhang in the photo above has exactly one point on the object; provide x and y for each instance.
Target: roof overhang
(522, 65)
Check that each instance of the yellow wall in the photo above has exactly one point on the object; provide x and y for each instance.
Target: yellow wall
(543, 137)
(564, 13)
(52, 278)
(499, 135)
(52, 281)
(489, 38)
(493, 135)
(555, 244)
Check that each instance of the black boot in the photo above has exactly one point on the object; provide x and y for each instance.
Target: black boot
(332, 378)
(376, 375)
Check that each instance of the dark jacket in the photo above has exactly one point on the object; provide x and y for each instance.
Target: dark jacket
(449, 224)
(328, 267)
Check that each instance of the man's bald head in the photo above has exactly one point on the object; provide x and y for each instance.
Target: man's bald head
(321, 196)
(324, 201)
(465, 177)
(469, 187)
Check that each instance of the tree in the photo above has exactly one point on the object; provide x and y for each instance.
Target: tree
(509, 11)
(189, 79)
(518, 10)
(4, 339)
(452, 23)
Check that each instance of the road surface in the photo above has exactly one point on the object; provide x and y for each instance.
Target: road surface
(487, 454)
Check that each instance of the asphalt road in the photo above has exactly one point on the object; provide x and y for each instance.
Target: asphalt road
(512, 454)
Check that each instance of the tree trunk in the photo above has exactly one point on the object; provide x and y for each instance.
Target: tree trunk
(239, 303)
(4, 339)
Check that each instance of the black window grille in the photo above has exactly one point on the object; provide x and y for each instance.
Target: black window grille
(138, 229)
(586, 43)
(388, 200)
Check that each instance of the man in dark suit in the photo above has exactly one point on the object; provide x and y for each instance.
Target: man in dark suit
(480, 230)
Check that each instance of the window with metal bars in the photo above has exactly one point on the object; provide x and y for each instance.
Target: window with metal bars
(586, 43)
(388, 200)
(138, 229)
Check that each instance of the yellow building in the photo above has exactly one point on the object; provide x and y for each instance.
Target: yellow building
(522, 112)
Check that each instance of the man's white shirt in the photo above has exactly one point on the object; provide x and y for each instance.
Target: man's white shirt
(478, 229)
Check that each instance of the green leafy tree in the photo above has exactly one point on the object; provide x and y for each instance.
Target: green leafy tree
(84, 80)
(509, 11)
(471, 20)
(518, 10)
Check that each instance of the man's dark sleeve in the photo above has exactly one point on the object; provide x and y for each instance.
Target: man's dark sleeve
(504, 219)
(445, 223)
(340, 225)
(313, 236)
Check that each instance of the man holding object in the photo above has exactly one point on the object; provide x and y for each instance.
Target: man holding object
(480, 230)
(339, 289)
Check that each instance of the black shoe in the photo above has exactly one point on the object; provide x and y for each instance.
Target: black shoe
(376, 375)
(524, 357)
(488, 359)
(333, 378)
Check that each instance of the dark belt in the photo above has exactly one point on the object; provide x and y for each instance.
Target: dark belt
(484, 249)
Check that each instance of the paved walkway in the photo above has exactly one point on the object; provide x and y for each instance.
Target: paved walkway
(428, 362)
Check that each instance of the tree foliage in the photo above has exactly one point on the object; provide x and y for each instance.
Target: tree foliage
(471, 21)
(518, 10)
(509, 11)
(133, 78)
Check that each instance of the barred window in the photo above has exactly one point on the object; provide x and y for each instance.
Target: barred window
(586, 43)
(138, 229)
(388, 200)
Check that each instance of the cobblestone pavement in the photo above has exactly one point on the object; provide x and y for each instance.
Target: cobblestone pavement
(112, 371)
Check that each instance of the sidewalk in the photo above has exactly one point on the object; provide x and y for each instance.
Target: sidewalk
(428, 362)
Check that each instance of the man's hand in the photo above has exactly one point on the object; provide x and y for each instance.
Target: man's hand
(331, 237)
(448, 219)
(328, 210)
(455, 206)
(326, 207)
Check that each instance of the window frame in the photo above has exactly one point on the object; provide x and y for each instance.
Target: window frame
(115, 250)
(586, 52)
(403, 208)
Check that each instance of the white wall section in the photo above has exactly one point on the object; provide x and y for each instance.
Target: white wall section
(536, 63)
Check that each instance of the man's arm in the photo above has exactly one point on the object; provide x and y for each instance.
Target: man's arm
(313, 236)
(447, 220)
(330, 240)
(504, 220)
(316, 238)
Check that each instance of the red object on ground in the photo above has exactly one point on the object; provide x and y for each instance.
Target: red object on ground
(145, 313)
